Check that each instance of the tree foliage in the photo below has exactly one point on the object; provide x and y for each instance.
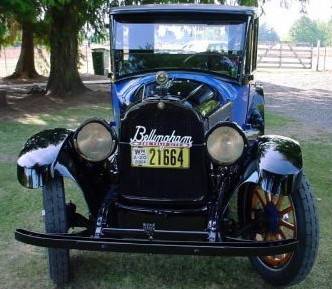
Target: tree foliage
(18, 11)
(9, 30)
(267, 34)
(329, 32)
(20, 16)
(310, 31)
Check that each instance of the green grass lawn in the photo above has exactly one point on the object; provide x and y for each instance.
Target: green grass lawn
(23, 266)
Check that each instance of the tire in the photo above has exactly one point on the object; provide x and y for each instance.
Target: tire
(56, 222)
(303, 258)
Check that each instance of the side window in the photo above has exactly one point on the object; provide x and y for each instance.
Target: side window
(254, 45)
(251, 56)
(249, 50)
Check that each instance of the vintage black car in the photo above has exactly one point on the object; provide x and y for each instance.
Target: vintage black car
(184, 167)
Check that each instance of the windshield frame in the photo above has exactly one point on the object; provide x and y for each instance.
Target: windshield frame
(183, 18)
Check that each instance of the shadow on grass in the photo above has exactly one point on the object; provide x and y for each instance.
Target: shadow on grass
(14, 133)
(162, 271)
(21, 105)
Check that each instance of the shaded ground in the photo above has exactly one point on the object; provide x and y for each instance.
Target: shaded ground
(84, 76)
(25, 101)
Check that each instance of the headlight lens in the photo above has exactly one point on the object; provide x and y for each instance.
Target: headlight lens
(95, 141)
(225, 145)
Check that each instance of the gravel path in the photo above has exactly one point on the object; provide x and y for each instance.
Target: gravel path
(304, 96)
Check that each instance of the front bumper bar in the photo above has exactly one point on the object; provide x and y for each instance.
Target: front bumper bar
(235, 247)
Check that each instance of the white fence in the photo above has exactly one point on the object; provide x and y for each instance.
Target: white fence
(294, 56)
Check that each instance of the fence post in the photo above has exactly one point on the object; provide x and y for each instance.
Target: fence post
(86, 57)
(318, 52)
(324, 69)
(280, 55)
(312, 56)
(4, 53)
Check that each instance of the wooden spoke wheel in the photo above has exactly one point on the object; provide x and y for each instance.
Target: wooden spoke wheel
(279, 222)
(267, 217)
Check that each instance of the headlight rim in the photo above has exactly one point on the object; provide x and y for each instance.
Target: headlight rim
(108, 127)
(238, 129)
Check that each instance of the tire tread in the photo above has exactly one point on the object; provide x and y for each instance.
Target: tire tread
(55, 222)
(312, 231)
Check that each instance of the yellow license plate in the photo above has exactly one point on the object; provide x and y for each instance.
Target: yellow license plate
(160, 157)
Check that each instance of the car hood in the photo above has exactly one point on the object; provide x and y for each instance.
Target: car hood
(122, 92)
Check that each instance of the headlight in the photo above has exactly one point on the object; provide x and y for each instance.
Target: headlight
(95, 140)
(225, 143)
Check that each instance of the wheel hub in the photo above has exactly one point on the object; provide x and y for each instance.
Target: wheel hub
(272, 217)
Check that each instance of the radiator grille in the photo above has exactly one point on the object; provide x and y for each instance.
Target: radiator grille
(180, 184)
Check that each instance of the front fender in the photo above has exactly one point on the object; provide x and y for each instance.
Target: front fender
(280, 164)
(51, 152)
(38, 155)
(279, 155)
(277, 167)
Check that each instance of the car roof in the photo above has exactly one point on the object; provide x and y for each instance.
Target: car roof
(184, 8)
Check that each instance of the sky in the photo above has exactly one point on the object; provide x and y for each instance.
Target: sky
(281, 18)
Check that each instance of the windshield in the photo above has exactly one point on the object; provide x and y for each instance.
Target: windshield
(141, 47)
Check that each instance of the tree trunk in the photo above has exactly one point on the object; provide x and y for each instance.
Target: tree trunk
(25, 67)
(3, 100)
(64, 77)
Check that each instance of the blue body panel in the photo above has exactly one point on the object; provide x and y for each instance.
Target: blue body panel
(122, 92)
